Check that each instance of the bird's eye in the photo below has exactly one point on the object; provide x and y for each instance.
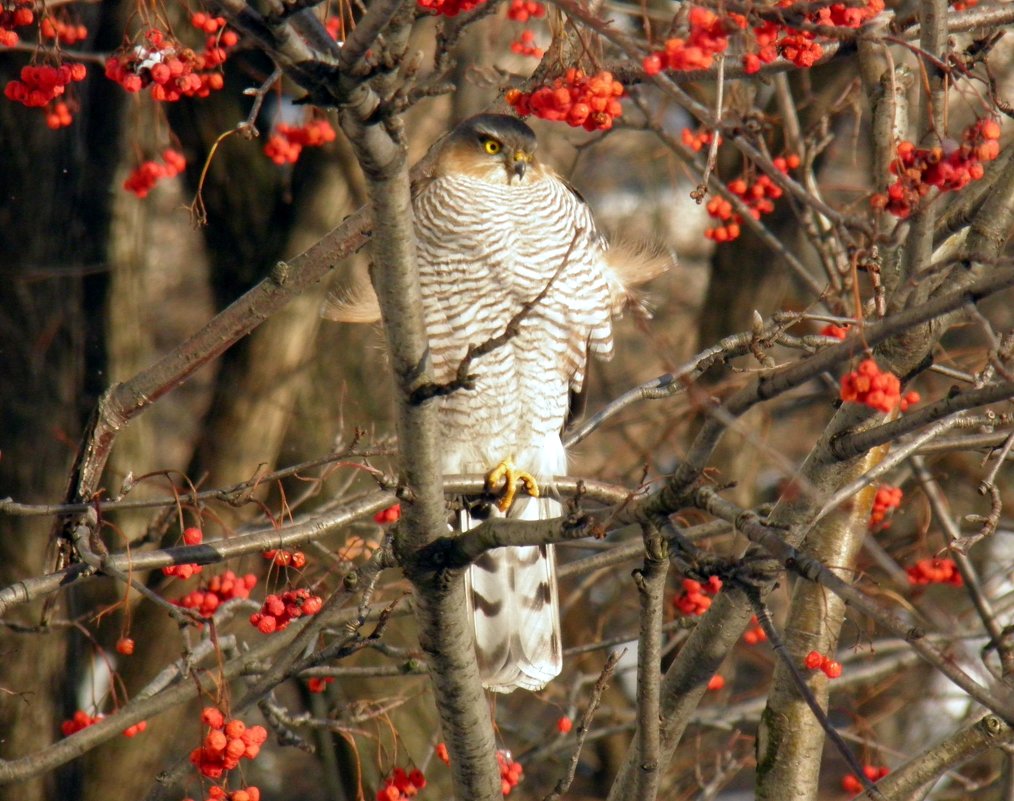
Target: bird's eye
(491, 146)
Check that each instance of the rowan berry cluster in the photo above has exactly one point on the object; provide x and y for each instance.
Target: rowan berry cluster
(226, 743)
(755, 634)
(335, 26)
(41, 85)
(16, 15)
(141, 181)
(136, 729)
(317, 684)
(510, 771)
(887, 498)
(822, 662)
(935, 571)
(65, 33)
(698, 141)
(215, 793)
(449, 8)
(708, 36)
(696, 597)
(392, 514)
(81, 720)
(716, 682)
(878, 390)
(400, 786)
(850, 782)
(524, 10)
(280, 610)
(834, 331)
(191, 536)
(758, 196)
(803, 48)
(584, 101)
(169, 69)
(284, 558)
(220, 589)
(948, 167)
(525, 45)
(58, 116)
(286, 142)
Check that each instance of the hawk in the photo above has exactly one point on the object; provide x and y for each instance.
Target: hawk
(508, 253)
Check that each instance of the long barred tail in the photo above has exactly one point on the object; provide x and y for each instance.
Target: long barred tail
(513, 599)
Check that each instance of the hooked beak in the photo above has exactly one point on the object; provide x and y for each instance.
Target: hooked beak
(519, 163)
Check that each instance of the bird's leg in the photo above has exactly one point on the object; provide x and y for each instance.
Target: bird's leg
(511, 477)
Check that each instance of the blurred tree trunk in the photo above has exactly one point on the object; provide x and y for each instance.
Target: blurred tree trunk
(55, 185)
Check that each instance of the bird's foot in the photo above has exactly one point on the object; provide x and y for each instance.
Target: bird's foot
(511, 477)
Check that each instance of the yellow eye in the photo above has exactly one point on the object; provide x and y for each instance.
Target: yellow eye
(491, 146)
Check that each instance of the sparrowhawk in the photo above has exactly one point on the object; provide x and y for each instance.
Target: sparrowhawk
(508, 251)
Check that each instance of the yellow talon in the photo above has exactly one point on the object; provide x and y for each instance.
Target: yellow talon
(511, 477)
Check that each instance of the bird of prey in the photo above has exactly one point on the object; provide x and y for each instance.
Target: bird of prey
(511, 263)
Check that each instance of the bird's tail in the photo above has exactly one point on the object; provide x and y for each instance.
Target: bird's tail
(514, 603)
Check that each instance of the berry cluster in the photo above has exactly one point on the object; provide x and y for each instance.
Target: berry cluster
(225, 744)
(41, 85)
(317, 684)
(17, 15)
(141, 181)
(708, 36)
(525, 45)
(280, 610)
(564, 725)
(191, 536)
(696, 597)
(887, 498)
(935, 571)
(772, 39)
(716, 682)
(822, 662)
(171, 70)
(81, 720)
(834, 331)
(392, 514)
(878, 390)
(758, 196)
(286, 143)
(698, 141)
(137, 728)
(400, 786)
(584, 101)
(220, 589)
(284, 558)
(510, 771)
(524, 10)
(755, 634)
(449, 8)
(948, 167)
(850, 782)
(58, 116)
(335, 27)
(215, 793)
(65, 33)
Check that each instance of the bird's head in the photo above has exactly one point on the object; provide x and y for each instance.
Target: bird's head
(491, 147)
